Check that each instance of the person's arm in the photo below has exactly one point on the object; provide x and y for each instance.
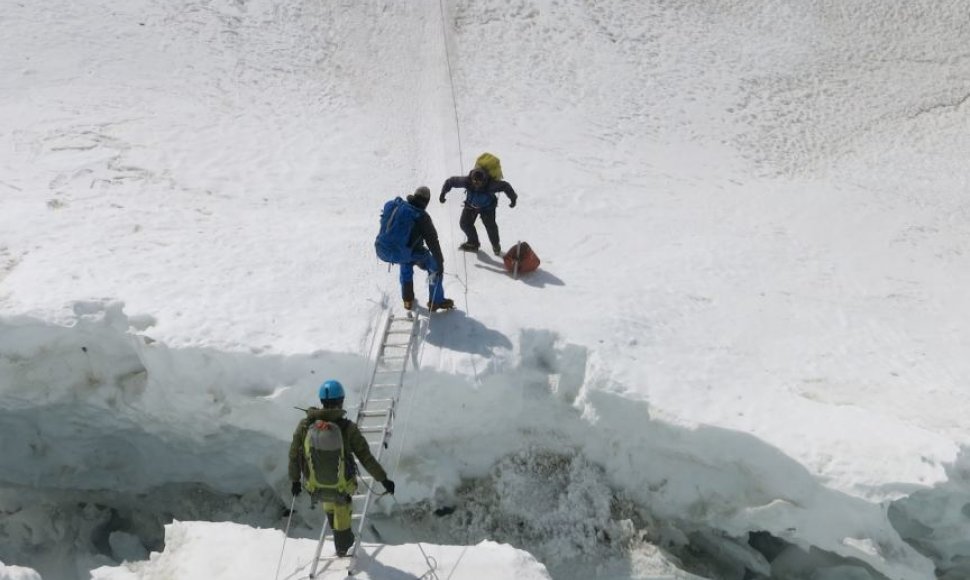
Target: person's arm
(452, 182)
(296, 452)
(506, 187)
(430, 236)
(362, 451)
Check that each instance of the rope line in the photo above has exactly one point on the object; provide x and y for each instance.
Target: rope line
(430, 561)
(461, 166)
(461, 152)
(451, 78)
(431, 574)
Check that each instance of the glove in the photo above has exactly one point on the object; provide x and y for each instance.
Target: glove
(512, 204)
(296, 488)
(388, 485)
(441, 197)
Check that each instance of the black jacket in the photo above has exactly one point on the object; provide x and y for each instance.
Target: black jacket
(483, 197)
(425, 233)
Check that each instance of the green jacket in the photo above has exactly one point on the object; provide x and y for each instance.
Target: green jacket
(354, 443)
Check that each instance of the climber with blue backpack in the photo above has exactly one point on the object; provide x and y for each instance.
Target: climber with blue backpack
(322, 454)
(405, 229)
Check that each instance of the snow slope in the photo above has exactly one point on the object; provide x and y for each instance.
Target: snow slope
(209, 550)
(749, 321)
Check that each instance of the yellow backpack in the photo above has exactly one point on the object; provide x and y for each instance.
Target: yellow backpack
(491, 164)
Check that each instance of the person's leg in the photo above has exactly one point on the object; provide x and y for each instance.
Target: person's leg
(407, 284)
(467, 224)
(436, 287)
(491, 228)
(339, 516)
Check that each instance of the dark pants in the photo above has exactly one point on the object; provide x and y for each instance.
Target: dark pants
(467, 224)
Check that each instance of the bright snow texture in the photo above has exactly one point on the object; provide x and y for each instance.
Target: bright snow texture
(745, 351)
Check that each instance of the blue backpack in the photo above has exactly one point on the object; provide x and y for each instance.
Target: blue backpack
(397, 221)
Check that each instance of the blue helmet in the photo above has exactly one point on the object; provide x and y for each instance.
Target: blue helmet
(331, 390)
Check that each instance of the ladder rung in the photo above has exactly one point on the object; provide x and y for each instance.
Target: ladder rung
(368, 414)
(393, 357)
(372, 429)
(398, 332)
(377, 417)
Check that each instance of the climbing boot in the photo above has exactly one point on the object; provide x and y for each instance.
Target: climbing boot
(446, 304)
(343, 541)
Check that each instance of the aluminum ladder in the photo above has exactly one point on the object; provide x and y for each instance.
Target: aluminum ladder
(375, 418)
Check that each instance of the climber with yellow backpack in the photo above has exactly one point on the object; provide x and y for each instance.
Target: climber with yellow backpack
(482, 186)
(322, 454)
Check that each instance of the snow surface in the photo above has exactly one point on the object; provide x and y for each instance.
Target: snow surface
(210, 550)
(749, 328)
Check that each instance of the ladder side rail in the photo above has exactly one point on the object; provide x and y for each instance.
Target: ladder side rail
(382, 446)
(373, 375)
(385, 430)
(407, 354)
(362, 522)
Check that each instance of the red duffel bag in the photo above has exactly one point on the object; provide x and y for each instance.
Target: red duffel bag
(520, 259)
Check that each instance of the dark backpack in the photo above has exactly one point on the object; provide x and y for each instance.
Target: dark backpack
(329, 478)
(397, 222)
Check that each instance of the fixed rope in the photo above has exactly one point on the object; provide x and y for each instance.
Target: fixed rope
(461, 153)
(431, 574)
(461, 165)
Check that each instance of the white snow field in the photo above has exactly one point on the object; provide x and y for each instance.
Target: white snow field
(743, 356)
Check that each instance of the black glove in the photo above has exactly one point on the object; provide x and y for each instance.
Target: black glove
(388, 485)
(441, 197)
(512, 204)
(296, 488)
